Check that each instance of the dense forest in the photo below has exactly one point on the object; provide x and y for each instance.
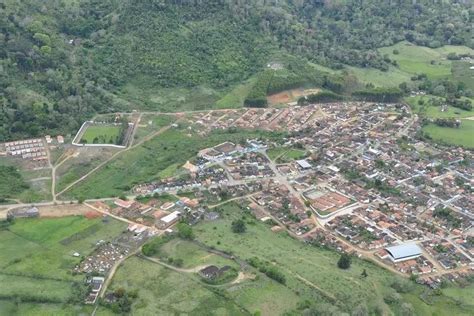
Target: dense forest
(62, 61)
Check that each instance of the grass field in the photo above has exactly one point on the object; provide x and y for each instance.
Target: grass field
(36, 258)
(150, 123)
(285, 154)
(461, 72)
(413, 59)
(103, 134)
(431, 111)
(165, 292)
(191, 254)
(462, 136)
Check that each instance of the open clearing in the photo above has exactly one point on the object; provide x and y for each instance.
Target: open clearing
(36, 261)
(101, 134)
(289, 96)
(191, 254)
(462, 136)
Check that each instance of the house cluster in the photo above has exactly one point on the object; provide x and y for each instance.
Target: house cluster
(30, 149)
(275, 201)
(102, 259)
(248, 166)
(360, 232)
(446, 253)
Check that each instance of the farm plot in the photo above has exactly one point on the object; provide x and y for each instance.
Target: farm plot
(36, 257)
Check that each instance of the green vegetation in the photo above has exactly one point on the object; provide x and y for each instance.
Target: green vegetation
(11, 183)
(64, 62)
(323, 96)
(461, 136)
(101, 134)
(191, 254)
(286, 154)
(37, 260)
(345, 261)
(343, 289)
(436, 108)
(238, 226)
(163, 291)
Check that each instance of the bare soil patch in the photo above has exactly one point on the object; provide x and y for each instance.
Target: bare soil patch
(64, 210)
(289, 95)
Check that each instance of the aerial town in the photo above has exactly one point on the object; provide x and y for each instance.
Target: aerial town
(349, 176)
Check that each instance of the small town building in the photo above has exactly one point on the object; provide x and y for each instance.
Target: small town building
(303, 164)
(403, 252)
(168, 220)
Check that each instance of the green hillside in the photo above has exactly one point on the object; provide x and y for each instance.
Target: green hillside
(63, 61)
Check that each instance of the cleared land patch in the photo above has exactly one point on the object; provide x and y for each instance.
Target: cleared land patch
(36, 260)
(101, 134)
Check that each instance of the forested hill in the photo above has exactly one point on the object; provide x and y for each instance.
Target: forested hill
(62, 61)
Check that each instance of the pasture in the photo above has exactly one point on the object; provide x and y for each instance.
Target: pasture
(191, 254)
(165, 292)
(431, 111)
(298, 261)
(36, 258)
(101, 134)
(462, 136)
(413, 59)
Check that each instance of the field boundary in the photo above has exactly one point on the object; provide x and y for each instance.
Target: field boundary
(76, 140)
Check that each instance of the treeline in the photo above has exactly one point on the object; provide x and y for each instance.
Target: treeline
(379, 95)
(320, 97)
(448, 122)
(268, 269)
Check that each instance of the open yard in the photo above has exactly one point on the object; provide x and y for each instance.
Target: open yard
(36, 259)
(101, 134)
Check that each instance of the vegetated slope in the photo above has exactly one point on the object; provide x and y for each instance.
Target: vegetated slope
(62, 61)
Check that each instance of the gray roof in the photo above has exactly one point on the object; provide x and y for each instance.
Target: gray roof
(303, 164)
(403, 251)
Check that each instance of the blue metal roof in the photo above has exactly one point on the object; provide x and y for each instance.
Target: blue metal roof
(403, 251)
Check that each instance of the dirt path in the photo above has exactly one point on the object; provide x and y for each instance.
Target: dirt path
(182, 270)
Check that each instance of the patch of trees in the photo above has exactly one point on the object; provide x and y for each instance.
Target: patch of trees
(257, 96)
(379, 94)
(320, 97)
(446, 214)
(11, 182)
(122, 301)
(238, 226)
(344, 261)
(448, 122)
(152, 248)
(465, 104)
(185, 231)
(268, 269)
